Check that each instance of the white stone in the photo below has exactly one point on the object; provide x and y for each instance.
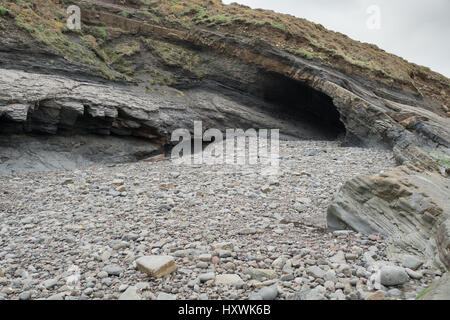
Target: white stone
(156, 266)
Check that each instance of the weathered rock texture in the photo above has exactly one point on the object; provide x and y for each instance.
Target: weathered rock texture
(438, 291)
(408, 204)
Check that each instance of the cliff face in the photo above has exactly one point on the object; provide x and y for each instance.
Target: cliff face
(144, 68)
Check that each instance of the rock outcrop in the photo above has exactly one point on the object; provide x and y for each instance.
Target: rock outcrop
(438, 291)
(408, 204)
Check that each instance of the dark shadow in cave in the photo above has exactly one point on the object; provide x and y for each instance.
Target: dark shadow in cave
(298, 101)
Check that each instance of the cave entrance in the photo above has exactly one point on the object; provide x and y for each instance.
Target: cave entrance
(298, 102)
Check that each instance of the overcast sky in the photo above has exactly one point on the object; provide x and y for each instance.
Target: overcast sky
(417, 30)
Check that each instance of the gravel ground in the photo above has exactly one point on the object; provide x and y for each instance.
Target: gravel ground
(77, 234)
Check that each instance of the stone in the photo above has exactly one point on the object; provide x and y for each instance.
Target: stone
(318, 293)
(202, 265)
(229, 266)
(247, 231)
(156, 266)
(315, 272)
(228, 280)
(330, 275)
(255, 296)
(26, 295)
(260, 274)
(205, 257)
(50, 283)
(117, 182)
(393, 276)
(337, 295)
(329, 285)
(268, 293)
(166, 296)
(67, 181)
(123, 287)
(224, 253)
(223, 246)
(379, 295)
(338, 258)
(411, 262)
(278, 263)
(394, 292)
(414, 274)
(58, 296)
(215, 260)
(351, 257)
(113, 270)
(344, 269)
(130, 294)
(207, 277)
(287, 277)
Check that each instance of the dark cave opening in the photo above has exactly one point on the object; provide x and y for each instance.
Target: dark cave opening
(298, 101)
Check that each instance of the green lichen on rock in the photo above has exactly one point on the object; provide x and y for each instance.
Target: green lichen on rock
(442, 158)
(176, 56)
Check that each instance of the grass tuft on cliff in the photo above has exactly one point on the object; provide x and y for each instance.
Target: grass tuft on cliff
(45, 21)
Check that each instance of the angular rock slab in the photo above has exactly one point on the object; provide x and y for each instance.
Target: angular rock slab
(228, 279)
(259, 274)
(130, 294)
(156, 266)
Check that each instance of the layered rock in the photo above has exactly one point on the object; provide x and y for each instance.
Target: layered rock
(408, 204)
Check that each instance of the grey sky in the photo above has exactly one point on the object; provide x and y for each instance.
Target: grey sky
(417, 30)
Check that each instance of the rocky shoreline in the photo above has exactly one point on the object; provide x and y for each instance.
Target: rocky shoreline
(229, 232)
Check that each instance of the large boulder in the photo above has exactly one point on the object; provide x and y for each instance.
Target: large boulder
(407, 204)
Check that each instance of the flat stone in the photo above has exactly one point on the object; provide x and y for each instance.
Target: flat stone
(206, 257)
(315, 272)
(411, 262)
(166, 296)
(259, 274)
(224, 253)
(113, 270)
(223, 246)
(156, 266)
(287, 277)
(379, 295)
(207, 276)
(49, 284)
(130, 294)
(338, 258)
(58, 296)
(318, 293)
(228, 279)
